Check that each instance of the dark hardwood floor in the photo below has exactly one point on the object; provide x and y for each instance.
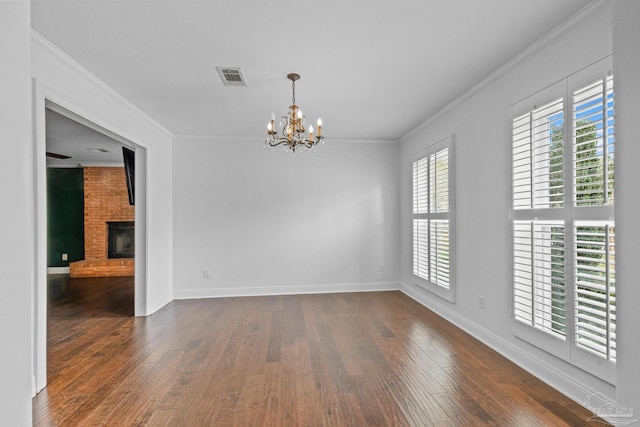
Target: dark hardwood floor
(365, 359)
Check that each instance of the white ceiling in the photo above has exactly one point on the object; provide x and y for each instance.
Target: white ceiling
(373, 69)
(69, 138)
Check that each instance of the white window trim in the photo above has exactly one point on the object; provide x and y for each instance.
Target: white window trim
(449, 293)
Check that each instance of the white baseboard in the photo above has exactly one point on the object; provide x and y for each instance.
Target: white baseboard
(545, 373)
(57, 270)
(285, 290)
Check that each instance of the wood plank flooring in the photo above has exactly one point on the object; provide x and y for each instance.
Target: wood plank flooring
(365, 359)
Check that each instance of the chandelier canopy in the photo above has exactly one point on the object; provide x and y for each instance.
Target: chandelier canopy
(293, 136)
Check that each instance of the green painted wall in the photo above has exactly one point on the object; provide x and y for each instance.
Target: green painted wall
(65, 216)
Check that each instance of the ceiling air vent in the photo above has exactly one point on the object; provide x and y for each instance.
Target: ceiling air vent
(231, 76)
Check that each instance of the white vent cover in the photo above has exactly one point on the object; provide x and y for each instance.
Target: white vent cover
(231, 76)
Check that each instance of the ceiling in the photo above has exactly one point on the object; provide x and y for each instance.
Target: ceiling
(80, 143)
(372, 69)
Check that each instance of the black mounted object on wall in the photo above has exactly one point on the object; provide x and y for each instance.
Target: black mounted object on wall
(129, 170)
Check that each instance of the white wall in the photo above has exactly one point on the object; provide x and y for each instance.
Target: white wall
(626, 65)
(266, 222)
(481, 124)
(16, 184)
(68, 84)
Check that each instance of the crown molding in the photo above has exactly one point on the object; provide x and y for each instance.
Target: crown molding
(44, 43)
(587, 11)
(217, 138)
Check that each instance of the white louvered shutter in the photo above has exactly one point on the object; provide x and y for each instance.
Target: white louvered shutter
(538, 158)
(595, 288)
(539, 278)
(432, 241)
(594, 241)
(593, 144)
(538, 246)
(563, 220)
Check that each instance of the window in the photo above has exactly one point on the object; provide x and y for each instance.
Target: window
(433, 228)
(563, 226)
(538, 183)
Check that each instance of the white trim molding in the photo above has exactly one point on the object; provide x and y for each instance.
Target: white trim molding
(245, 291)
(252, 140)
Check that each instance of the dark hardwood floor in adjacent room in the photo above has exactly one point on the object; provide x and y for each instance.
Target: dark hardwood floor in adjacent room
(364, 359)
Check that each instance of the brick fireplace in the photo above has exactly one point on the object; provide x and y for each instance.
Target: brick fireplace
(105, 201)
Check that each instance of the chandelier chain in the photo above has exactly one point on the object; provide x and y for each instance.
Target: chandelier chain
(293, 90)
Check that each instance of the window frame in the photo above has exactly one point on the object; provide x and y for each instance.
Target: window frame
(448, 293)
(571, 215)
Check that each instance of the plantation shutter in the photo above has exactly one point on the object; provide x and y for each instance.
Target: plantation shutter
(538, 245)
(594, 241)
(538, 158)
(595, 289)
(439, 181)
(593, 147)
(539, 280)
(563, 210)
(432, 241)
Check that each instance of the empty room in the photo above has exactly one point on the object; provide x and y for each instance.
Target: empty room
(378, 213)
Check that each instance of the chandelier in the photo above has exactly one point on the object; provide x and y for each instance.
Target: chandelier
(293, 136)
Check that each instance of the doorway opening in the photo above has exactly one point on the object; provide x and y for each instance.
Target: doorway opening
(74, 270)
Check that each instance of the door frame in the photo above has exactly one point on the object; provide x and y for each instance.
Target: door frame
(47, 97)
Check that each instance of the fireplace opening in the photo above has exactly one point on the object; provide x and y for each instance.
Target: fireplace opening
(121, 239)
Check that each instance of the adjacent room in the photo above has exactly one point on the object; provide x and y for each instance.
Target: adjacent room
(320, 213)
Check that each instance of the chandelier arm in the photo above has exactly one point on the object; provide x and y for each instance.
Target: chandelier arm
(286, 125)
(307, 143)
(279, 142)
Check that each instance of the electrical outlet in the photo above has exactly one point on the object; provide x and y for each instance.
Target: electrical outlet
(206, 274)
(481, 301)
(65, 257)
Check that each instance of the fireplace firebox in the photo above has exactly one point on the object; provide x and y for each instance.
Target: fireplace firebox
(121, 239)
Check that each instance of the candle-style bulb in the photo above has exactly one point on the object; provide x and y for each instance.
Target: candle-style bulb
(273, 116)
(299, 114)
(319, 122)
(269, 127)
